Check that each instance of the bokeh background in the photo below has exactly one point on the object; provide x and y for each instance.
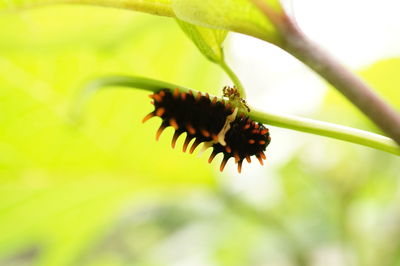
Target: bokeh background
(103, 192)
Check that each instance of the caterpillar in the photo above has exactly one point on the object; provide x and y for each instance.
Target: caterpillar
(212, 122)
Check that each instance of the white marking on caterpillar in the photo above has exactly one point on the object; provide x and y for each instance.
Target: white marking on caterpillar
(221, 134)
(226, 127)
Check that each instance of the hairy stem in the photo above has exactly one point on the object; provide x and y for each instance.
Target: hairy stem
(291, 122)
(352, 87)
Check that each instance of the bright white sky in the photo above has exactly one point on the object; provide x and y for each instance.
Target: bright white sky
(357, 32)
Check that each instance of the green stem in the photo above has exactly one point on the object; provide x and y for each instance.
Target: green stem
(115, 81)
(326, 129)
(234, 79)
(321, 128)
(132, 82)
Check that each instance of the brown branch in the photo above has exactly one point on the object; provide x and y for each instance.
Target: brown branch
(352, 87)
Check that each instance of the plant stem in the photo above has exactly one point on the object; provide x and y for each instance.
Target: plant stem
(234, 79)
(95, 85)
(352, 87)
(291, 122)
(327, 129)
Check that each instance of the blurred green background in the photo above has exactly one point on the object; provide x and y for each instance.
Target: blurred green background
(104, 192)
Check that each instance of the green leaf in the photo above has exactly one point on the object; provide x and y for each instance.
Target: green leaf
(62, 185)
(157, 7)
(234, 15)
(209, 41)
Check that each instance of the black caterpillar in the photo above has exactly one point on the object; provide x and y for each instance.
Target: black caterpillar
(213, 122)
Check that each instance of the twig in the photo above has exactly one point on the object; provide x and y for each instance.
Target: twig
(360, 94)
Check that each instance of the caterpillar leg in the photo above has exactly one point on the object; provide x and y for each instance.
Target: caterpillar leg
(223, 163)
(240, 165)
(148, 116)
(212, 156)
(194, 145)
(187, 140)
(159, 131)
(175, 138)
(260, 159)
